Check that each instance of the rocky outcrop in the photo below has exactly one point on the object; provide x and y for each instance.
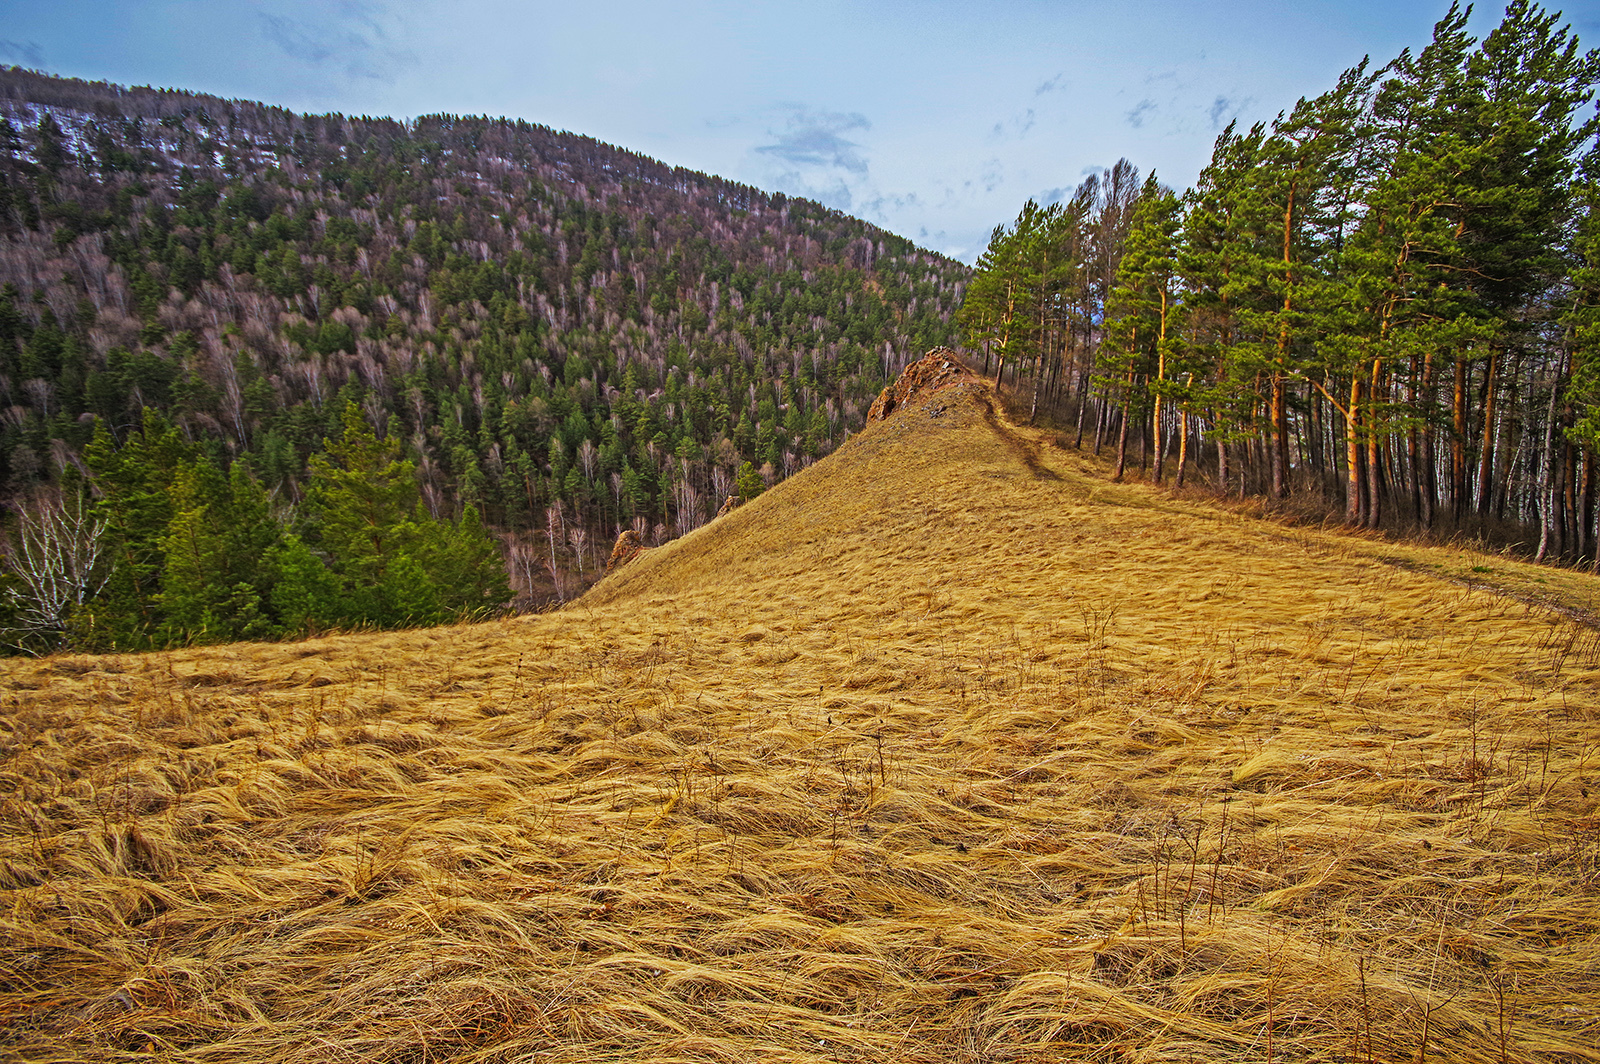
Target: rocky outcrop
(629, 546)
(937, 369)
(732, 502)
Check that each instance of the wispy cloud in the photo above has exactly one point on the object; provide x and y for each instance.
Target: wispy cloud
(24, 53)
(882, 204)
(1050, 85)
(350, 37)
(1222, 108)
(297, 39)
(1015, 126)
(1140, 111)
(990, 177)
(817, 139)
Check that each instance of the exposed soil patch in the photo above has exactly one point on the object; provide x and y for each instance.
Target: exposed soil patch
(1026, 451)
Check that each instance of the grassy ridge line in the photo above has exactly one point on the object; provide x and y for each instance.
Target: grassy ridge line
(923, 755)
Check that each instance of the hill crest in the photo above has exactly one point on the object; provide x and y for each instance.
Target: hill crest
(929, 752)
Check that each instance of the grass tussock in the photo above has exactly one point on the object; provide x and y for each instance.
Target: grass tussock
(946, 750)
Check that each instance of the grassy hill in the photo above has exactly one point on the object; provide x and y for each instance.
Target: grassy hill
(945, 749)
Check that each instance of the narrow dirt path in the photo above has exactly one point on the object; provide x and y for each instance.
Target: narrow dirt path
(1027, 451)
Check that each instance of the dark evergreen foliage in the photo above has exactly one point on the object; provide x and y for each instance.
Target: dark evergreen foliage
(548, 338)
(1384, 301)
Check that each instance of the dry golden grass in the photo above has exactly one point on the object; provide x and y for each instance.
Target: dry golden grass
(945, 750)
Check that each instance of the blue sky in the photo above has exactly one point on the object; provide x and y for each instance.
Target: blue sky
(933, 118)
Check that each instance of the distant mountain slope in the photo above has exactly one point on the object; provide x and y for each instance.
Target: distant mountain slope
(947, 748)
(543, 320)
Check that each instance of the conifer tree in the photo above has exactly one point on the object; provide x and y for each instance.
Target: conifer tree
(1142, 330)
(133, 484)
(396, 564)
(215, 582)
(1216, 236)
(1385, 288)
(1582, 331)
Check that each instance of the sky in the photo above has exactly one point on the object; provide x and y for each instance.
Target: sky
(935, 119)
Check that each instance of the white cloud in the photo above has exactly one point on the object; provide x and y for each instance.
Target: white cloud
(816, 139)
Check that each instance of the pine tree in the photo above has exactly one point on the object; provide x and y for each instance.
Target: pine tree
(396, 565)
(215, 583)
(1216, 238)
(1582, 326)
(305, 594)
(461, 560)
(1528, 84)
(362, 505)
(1142, 330)
(132, 483)
(996, 313)
(749, 483)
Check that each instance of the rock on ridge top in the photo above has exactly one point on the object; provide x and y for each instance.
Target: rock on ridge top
(937, 369)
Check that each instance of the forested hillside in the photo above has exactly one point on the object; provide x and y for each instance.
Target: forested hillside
(211, 308)
(1385, 302)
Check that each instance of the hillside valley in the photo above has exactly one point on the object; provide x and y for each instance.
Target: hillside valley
(946, 748)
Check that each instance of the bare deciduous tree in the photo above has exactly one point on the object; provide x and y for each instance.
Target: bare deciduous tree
(578, 536)
(54, 558)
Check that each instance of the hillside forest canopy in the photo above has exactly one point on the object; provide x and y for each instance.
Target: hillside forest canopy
(1383, 305)
(225, 328)
(264, 373)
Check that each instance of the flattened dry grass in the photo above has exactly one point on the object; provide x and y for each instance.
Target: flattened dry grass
(946, 750)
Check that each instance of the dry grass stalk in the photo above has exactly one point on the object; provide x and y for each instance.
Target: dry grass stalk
(946, 750)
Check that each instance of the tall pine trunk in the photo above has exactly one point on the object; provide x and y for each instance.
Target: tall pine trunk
(1278, 458)
(1161, 376)
(1279, 413)
(1458, 443)
(1122, 436)
(1548, 525)
(1352, 455)
(1183, 444)
(1426, 474)
(1374, 451)
(1589, 543)
(1486, 459)
(1083, 409)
